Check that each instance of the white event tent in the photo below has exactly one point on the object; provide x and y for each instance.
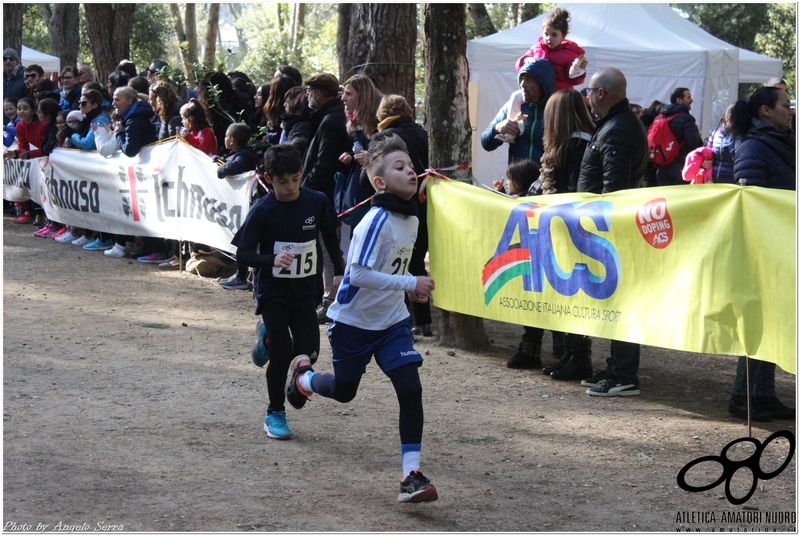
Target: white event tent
(45, 61)
(655, 48)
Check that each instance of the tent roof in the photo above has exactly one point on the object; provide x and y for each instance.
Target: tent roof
(45, 61)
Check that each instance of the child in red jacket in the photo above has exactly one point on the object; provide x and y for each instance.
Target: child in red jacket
(566, 57)
(196, 129)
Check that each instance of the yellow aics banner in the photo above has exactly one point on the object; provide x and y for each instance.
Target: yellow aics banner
(705, 268)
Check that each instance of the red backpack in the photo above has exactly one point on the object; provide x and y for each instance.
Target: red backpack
(663, 146)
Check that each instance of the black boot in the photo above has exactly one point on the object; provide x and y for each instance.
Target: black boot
(579, 365)
(774, 407)
(527, 358)
(737, 408)
(566, 355)
(558, 343)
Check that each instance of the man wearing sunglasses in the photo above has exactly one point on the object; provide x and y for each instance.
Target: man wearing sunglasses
(13, 80)
(33, 73)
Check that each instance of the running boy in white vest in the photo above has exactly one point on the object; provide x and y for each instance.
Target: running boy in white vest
(369, 316)
(280, 236)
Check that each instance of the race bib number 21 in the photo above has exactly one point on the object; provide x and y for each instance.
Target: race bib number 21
(303, 265)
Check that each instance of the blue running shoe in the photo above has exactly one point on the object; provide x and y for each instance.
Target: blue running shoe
(275, 426)
(260, 351)
(99, 245)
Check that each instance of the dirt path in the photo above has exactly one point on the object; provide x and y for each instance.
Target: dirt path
(130, 400)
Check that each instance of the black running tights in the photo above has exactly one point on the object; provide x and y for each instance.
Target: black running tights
(409, 394)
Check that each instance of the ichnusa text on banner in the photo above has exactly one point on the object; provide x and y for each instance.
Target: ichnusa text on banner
(708, 269)
(169, 190)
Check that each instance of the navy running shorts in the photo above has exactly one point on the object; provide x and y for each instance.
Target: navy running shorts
(353, 349)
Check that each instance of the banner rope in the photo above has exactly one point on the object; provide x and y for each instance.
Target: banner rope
(434, 172)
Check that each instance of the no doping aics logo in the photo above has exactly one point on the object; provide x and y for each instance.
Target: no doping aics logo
(533, 257)
(655, 224)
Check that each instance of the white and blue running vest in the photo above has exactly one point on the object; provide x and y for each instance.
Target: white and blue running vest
(382, 241)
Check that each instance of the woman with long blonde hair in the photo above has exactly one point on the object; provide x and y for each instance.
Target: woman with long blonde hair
(361, 100)
(567, 128)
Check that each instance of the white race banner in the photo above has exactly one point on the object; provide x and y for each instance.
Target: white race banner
(169, 190)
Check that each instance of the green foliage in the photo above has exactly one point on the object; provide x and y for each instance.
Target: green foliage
(268, 47)
(768, 29)
(34, 30)
(151, 34)
(737, 24)
(778, 40)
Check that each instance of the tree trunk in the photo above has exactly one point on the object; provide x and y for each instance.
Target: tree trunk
(297, 32)
(190, 25)
(61, 20)
(529, 11)
(211, 32)
(235, 12)
(447, 105)
(513, 15)
(382, 44)
(280, 21)
(482, 21)
(12, 26)
(108, 27)
(343, 39)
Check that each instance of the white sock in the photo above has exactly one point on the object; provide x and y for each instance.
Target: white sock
(304, 381)
(410, 462)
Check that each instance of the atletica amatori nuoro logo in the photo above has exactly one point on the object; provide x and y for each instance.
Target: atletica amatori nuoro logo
(533, 259)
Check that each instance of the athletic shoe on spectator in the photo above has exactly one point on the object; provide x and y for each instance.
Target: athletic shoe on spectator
(83, 240)
(234, 283)
(152, 258)
(613, 386)
(39, 221)
(44, 231)
(60, 232)
(25, 219)
(99, 245)
(117, 251)
(172, 263)
(66, 237)
(593, 381)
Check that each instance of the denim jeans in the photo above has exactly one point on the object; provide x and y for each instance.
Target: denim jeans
(761, 378)
(624, 360)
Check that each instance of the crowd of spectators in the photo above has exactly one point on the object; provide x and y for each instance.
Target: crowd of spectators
(229, 117)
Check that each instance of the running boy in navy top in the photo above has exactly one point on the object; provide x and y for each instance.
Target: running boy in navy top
(369, 316)
(280, 236)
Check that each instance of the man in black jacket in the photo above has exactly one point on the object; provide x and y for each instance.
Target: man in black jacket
(685, 131)
(329, 140)
(614, 160)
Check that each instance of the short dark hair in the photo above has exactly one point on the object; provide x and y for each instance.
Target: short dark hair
(678, 93)
(140, 84)
(240, 133)
(35, 68)
(118, 78)
(128, 67)
(283, 159)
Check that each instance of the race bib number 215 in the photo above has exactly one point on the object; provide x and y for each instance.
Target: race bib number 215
(303, 265)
